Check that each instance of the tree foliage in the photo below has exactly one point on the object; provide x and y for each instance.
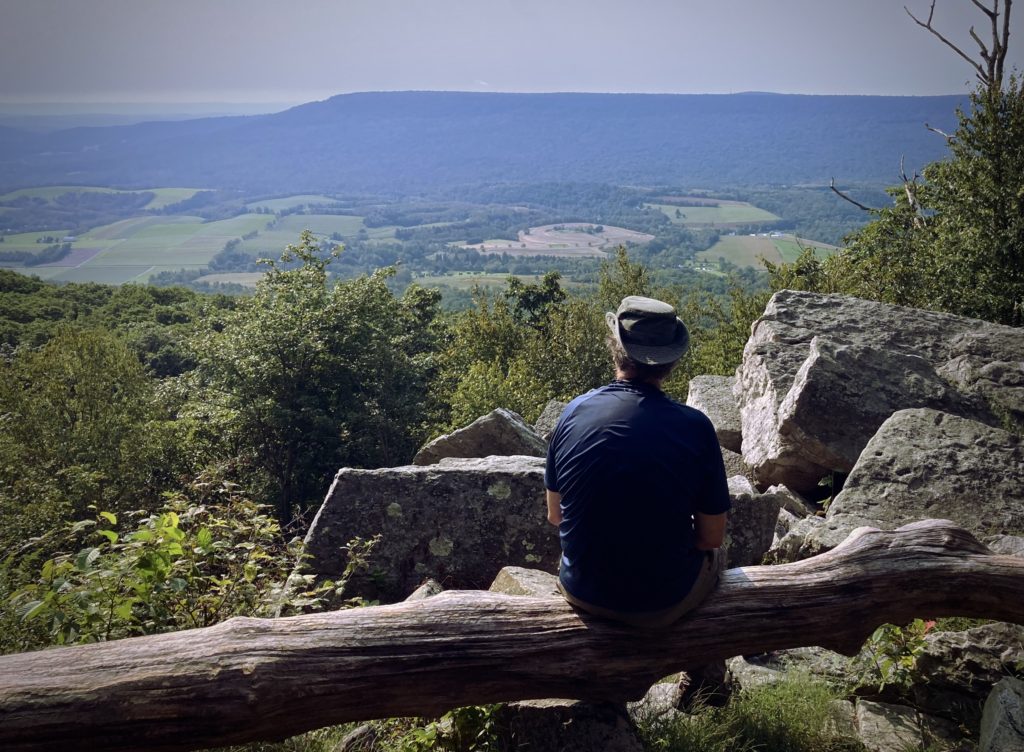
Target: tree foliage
(309, 376)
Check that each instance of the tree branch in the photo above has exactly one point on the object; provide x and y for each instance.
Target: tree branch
(249, 679)
(982, 75)
(846, 197)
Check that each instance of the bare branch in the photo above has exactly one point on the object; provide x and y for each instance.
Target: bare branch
(981, 73)
(842, 195)
(947, 136)
(984, 9)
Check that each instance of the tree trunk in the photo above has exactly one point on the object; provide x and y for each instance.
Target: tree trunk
(249, 679)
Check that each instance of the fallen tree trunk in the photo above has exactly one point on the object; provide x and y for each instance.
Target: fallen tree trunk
(250, 679)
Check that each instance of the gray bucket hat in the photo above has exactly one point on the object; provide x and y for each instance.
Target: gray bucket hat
(648, 330)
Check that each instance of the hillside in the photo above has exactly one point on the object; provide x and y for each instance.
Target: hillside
(428, 141)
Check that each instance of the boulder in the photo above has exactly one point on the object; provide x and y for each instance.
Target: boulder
(751, 527)
(713, 396)
(663, 700)
(1002, 722)
(956, 670)
(500, 432)
(734, 465)
(522, 581)
(459, 522)
(569, 726)
(926, 464)
(821, 373)
(428, 589)
(883, 727)
(1008, 545)
(548, 419)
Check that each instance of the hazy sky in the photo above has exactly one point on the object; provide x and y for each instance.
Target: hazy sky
(297, 51)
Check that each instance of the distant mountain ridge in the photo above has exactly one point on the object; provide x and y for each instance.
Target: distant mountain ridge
(428, 141)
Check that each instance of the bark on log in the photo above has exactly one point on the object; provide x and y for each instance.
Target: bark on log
(249, 679)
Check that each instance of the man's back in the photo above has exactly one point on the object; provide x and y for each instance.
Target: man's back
(632, 467)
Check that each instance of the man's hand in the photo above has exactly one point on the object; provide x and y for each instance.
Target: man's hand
(554, 507)
(710, 530)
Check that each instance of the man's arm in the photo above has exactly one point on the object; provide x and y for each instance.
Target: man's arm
(710, 530)
(555, 507)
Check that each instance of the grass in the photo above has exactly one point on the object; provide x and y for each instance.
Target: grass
(248, 279)
(135, 249)
(270, 243)
(468, 280)
(733, 212)
(745, 250)
(163, 196)
(793, 715)
(26, 241)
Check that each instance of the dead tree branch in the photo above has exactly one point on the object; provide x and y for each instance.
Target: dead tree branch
(249, 679)
(847, 197)
(993, 54)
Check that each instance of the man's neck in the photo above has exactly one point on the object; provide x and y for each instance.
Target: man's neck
(626, 376)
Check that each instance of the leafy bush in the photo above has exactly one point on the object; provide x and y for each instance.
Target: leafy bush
(198, 561)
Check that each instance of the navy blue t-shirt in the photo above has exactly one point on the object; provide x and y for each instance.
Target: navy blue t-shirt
(632, 467)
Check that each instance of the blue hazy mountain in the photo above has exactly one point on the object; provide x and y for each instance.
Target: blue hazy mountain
(416, 141)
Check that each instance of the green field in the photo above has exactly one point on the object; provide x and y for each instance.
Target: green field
(731, 212)
(248, 279)
(290, 202)
(163, 196)
(26, 241)
(469, 280)
(135, 249)
(270, 243)
(748, 250)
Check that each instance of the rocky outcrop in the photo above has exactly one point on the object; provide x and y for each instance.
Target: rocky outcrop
(821, 373)
(522, 581)
(922, 463)
(713, 396)
(500, 432)
(752, 520)
(548, 419)
(459, 522)
(1002, 723)
(957, 670)
(734, 465)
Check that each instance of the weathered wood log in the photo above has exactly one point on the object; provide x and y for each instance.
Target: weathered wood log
(249, 679)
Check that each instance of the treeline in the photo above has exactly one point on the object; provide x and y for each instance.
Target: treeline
(73, 212)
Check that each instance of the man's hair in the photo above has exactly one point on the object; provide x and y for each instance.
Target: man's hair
(633, 369)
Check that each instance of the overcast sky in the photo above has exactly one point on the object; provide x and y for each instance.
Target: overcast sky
(289, 52)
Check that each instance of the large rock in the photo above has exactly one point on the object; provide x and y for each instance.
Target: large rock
(548, 418)
(1002, 723)
(459, 522)
(957, 670)
(713, 396)
(500, 432)
(883, 727)
(734, 464)
(821, 373)
(522, 581)
(751, 526)
(926, 464)
(570, 726)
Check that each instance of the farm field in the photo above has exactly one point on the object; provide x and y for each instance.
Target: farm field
(469, 280)
(287, 230)
(568, 239)
(248, 279)
(163, 196)
(132, 250)
(726, 213)
(290, 202)
(748, 250)
(26, 241)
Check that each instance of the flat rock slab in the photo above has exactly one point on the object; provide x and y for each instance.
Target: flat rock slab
(500, 432)
(883, 727)
(548, 419)
(458, 522)
(926, 464)
(713, 396)
(521, 581)
(821, 373)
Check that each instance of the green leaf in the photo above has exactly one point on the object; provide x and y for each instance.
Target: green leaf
(32, 609)
(85, 559)
(109, 517)
(110, 535)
